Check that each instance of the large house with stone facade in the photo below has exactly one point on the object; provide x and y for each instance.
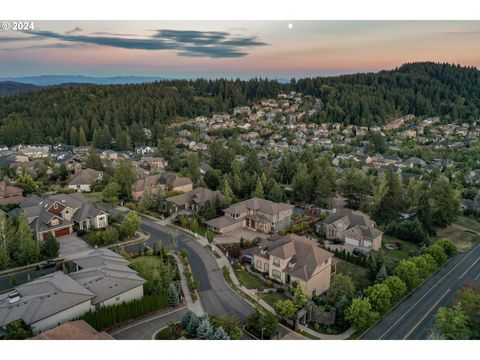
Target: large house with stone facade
(297, 259)
(257, 214)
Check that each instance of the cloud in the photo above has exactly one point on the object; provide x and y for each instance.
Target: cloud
(214, 44)
(76, 29)
(46, 46)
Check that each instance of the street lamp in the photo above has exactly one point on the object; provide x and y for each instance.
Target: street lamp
(262, 332)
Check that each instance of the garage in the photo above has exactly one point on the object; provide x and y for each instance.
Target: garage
(62, 232)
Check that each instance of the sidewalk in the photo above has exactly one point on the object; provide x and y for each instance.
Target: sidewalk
(196, 306)
(342, 336)
(223, 261)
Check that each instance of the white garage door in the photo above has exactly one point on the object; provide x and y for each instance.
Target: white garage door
(351, 241)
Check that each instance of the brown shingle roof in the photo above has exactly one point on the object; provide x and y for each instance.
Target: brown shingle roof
(74, 330)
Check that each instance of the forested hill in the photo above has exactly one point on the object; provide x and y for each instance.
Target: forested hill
(119, 111)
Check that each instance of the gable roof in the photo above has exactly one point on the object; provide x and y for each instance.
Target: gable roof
(263, 205)
(199, 195)
(304, 255)
(86, 177)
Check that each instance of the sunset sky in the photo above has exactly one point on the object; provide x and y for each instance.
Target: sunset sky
(232, 49)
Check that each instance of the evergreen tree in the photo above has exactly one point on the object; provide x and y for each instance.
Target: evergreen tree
(193, 325)
(274, 191)
(258, 190)
(205, 329)
(228, 195)
(186, 319)
(51, 247)
(28, 250)
(173, 296)
(381, 275)
(82, 138)
(220, 334)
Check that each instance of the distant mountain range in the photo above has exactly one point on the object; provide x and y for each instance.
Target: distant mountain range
(12, 87)
(48, 80)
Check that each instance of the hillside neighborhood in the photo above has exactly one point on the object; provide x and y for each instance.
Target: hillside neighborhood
(314, 229)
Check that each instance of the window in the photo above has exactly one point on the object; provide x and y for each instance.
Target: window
(117, 298)
(259, 264)
(265, 266)
(277, 274)
(276, 262)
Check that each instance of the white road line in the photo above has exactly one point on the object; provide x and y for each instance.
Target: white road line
(416, 303)
(426, 314)
(476, 277)
(469, 268)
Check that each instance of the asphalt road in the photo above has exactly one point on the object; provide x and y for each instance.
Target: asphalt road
(414, 317)
(216, 296)
(145, 329)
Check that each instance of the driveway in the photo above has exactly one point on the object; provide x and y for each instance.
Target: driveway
(145, 329)
(71, 245)
(235, 236)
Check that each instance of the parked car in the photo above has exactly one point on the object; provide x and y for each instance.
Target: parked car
(247, 259)
(46, 264)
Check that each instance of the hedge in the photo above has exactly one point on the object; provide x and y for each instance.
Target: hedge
(107, 316)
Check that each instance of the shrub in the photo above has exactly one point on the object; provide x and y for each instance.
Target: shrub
(107, 316)
(408, 230)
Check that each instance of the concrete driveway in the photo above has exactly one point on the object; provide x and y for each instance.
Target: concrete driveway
(71, 245)
(235, 236)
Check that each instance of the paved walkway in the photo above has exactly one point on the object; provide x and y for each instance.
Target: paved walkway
(145, 329)
(195, 306)
(343, 336)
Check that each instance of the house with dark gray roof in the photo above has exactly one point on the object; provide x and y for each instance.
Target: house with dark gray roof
(295, 259)
(355, 229)
(102, 278)
(61, 214)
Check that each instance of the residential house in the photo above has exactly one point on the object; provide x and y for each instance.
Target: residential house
(73, 330)
(355, 228)
(83, 180)
(10, 194)
(194, 200)
(296, 259)
(61, 214)
(160, 182)
(102, 278)
(256, 214)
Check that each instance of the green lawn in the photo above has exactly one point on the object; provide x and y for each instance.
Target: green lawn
(464, 233)
(393, 257)
(94, 197)
(249, 281)
(272, 298)
(469, 223)
(358, 274)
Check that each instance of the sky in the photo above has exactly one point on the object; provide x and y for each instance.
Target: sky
(275, 49)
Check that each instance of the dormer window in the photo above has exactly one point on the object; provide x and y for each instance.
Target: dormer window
(276, 262)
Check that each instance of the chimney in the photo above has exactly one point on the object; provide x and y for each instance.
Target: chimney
(13, 297)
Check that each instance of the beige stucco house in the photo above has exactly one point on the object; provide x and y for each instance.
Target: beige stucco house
(257, 214)
(355, 228)
(160, 183)
(295, 258)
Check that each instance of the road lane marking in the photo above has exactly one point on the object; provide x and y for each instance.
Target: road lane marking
(469, 268)
(427, 313)
(416, 303)
(476, 277)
